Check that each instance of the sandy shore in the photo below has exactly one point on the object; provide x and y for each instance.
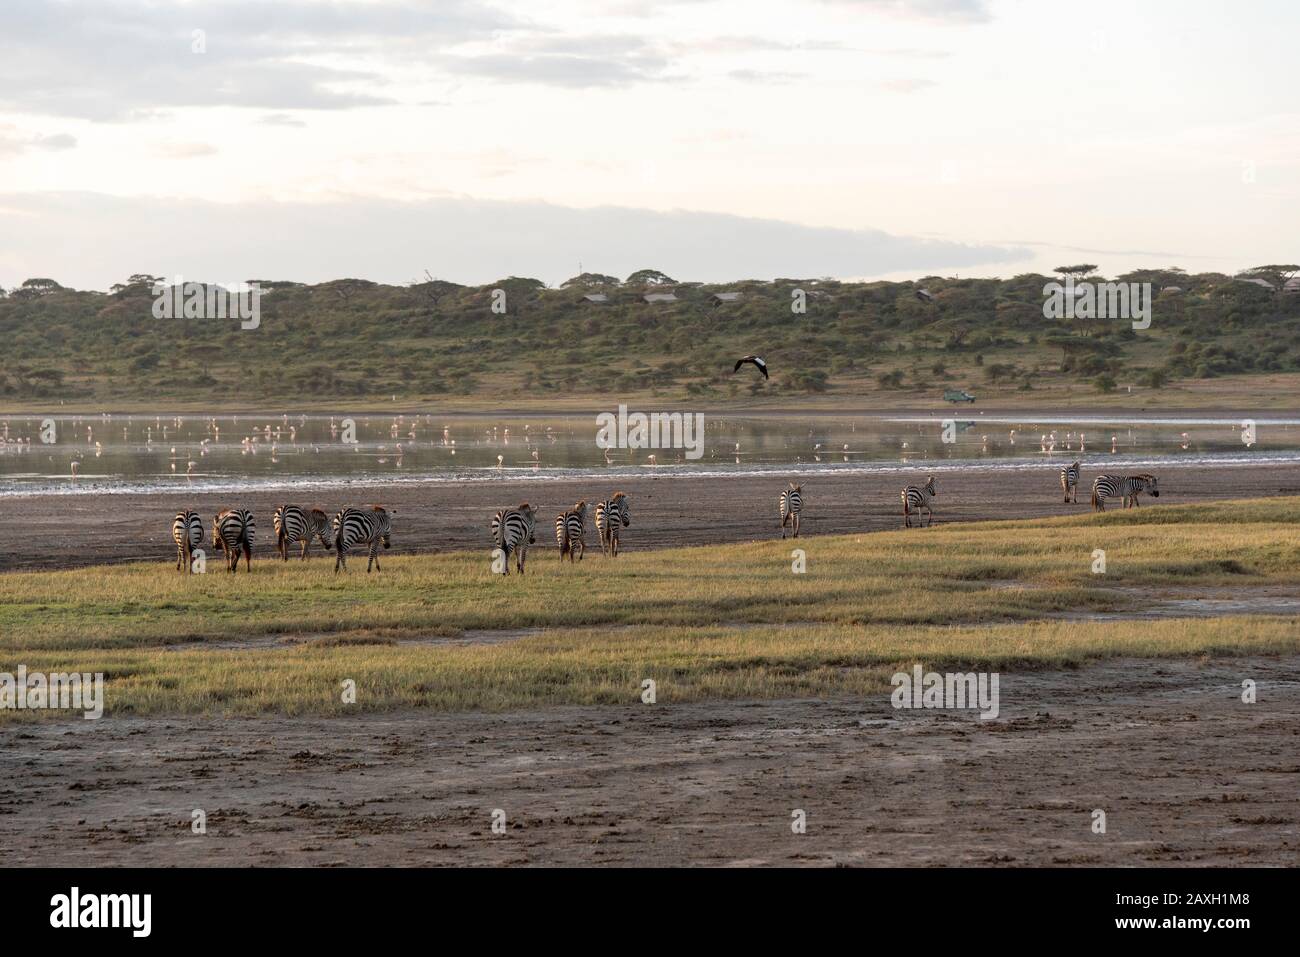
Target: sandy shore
(59, 531)
(1185, 772)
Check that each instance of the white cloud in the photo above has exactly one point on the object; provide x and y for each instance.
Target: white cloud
(13, 141)
(77, 239)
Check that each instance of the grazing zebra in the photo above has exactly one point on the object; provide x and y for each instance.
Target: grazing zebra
(358, 526)
(915, 499)
(1070, 481)
(187, 533)
(1127, 486)
(791, 506)
(612, 515)
(294, 524)
(513, 531)
(232, 531)
(571, 532)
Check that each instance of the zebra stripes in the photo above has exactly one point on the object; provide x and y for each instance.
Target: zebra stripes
(187, 533)
(571, 532)
(611, 515)
(513, 531)
(1127, 486)
(791, 506)
(232, 532)
(916, 498)
(294, 524)
(370, 527)
(1070, 481)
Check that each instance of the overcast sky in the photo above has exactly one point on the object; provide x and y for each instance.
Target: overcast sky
(712, 139)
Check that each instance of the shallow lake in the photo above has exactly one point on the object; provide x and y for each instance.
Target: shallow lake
(107, 453)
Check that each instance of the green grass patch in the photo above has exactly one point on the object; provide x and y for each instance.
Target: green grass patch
(723, 621)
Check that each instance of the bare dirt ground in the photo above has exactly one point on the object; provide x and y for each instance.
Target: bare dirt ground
(60, 531)
(1186, 773)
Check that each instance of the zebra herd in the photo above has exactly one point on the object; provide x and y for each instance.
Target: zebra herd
(1127, 487)
(514, 529)
(234, 529)
(918, 497)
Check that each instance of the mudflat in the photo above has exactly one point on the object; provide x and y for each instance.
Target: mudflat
(1185, 772)
(65, 531)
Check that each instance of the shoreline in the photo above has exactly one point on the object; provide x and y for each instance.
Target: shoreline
(1117, 412)
(56, 531)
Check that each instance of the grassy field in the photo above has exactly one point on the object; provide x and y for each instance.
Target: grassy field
(727, 621)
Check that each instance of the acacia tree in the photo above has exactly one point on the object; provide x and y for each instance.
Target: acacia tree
(35, 288)
(650, 277)
(1080, 271)
(591, 280)
(136, 280)
(1075, 346)
(1275, 275)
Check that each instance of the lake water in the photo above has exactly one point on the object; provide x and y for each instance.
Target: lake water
(134, 453)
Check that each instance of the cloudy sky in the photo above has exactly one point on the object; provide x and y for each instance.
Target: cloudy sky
(709, 138)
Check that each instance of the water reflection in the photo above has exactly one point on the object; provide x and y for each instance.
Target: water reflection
(107, 452)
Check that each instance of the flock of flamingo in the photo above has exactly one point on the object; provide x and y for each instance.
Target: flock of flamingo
(277, 437)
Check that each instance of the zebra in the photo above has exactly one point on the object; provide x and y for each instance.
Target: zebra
(294, 524)
(915, 499)
(791, 506)
(187, 533)
(358, 526)
(615, 506)
(1070, 481)
(1127, 486)
(513, 530)
(232, 531)
(571, 532)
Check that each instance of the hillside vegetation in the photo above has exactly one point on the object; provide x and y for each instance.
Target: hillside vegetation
(350, 342)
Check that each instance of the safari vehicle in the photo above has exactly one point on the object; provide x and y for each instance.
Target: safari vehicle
(958, 395)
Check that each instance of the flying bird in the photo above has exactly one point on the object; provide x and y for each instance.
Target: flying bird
(758, 363)
(924, 295)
